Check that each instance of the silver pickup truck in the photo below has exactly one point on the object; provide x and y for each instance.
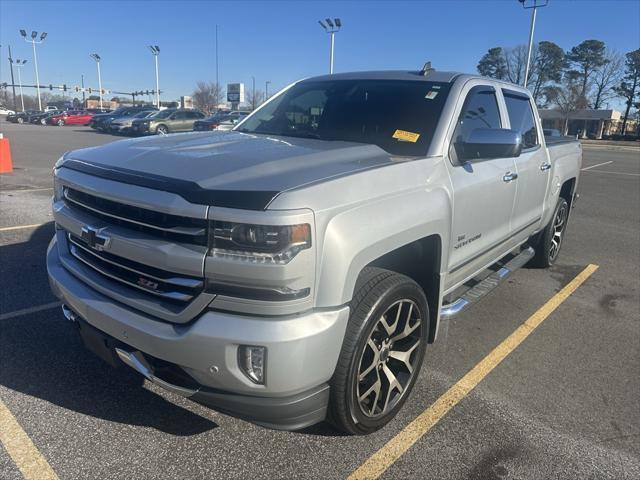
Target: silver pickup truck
(293, 270)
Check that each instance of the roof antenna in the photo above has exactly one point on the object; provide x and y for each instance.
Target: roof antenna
(427, 69)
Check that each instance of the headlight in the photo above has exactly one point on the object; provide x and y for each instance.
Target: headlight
(276, 244)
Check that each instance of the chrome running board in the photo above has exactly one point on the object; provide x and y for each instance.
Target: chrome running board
(481, 289)
(134, 360)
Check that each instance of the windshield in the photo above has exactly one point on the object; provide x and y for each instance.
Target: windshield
(144, 114)
(397, 115)
(163, 114)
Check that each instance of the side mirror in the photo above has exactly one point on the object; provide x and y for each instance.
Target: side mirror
(490, 143)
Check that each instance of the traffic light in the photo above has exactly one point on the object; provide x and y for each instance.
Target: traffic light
(90, 90)
(50, 87)
(77, 89)
(64, 87)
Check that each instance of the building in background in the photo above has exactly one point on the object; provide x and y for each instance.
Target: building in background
(594, 123)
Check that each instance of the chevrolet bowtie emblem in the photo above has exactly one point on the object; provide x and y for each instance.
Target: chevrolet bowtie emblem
(94, 239)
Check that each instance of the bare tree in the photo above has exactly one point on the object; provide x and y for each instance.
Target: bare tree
(516, 61)
(255, 101)
(606, 77)
(207, 96)
(567, 96)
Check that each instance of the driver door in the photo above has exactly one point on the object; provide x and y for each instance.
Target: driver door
(483, 195)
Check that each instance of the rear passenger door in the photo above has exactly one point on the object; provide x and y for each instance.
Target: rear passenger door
(532, 166)
(482, 198)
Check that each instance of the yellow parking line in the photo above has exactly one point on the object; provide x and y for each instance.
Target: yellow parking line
(21, 227)
(21, 449)
(380, 461)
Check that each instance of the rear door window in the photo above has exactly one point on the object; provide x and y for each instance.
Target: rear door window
(521, 118)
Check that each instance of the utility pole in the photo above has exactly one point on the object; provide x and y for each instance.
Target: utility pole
(155, 50)
(96, 57)
(13, 82)
(33, 41)
(217, 79)
(331, 27)
(253, 93)
(82, 83)
(266, 90)
(19, 65)
(533, 5)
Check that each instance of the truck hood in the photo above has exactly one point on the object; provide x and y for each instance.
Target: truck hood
(229, 169)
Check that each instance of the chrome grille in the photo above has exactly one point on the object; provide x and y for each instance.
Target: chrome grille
(163, 225)
(153, 281)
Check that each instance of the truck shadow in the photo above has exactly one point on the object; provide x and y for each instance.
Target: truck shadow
(41, 354)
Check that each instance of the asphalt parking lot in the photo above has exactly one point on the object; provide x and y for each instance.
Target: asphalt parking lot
(565, 403)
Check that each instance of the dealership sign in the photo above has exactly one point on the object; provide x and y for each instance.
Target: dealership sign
(235, 92)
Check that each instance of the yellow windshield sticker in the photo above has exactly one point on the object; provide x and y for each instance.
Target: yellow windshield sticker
(405, 136)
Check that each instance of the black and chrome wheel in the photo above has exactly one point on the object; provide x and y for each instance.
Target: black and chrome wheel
(382, 351)
(547, 243)
(162, 130)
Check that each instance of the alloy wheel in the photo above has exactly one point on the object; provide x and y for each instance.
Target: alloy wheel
(389, 358)
(559, 222)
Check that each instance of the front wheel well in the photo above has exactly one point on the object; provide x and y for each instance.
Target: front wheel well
(568, 190)
(420, 261)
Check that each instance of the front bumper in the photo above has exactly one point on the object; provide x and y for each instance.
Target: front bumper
(302, 351)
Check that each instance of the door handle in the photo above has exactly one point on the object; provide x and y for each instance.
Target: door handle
(509, 176)
(545, 166)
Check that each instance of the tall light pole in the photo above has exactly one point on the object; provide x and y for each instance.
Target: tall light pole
(217, 79)
(96, 57)
(34, 40)
(253, 93)
(155, 50)
(533, 5)
(331, 27)
(19, 65)
(13, 82)
(266, 90)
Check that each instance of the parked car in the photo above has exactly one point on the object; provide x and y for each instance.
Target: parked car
(552, 132)
(74, 117)
(51, 108)
(6, 111)
(22, 117)
(220, 121)
(101, 121)
(41, 118)
(167, 121)
(122, 125)
(294, 269)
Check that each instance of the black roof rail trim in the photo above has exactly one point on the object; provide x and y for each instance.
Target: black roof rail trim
(190, 191)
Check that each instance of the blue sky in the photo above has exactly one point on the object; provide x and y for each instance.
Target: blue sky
(282, 41)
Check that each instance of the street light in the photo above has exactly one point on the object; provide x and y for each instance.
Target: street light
(533, 5)
(96, 57)
(266, 90)
(19, 65)
(331, 27)
(33, 41)
(155, 50)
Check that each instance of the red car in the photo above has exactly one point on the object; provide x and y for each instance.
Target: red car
(76, 117)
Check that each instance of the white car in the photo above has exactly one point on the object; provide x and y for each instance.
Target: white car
(6, 111)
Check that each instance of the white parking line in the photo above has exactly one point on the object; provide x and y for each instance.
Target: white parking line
(597, 165)
(616, 173)
(19, 190)
(26, 311)
(21, 227)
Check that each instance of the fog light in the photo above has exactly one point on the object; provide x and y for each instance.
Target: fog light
(252, 362)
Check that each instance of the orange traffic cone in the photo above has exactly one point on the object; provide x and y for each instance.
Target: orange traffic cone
(6, 166)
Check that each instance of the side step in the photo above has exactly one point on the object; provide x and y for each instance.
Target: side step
(481, 289)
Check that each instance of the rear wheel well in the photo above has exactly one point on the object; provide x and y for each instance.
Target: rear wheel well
(420, 261)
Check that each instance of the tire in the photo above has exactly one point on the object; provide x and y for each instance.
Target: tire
(60, 123)
(547, 243)
(20, 120)
(162, 130)
(43, 121)
(363, 371)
